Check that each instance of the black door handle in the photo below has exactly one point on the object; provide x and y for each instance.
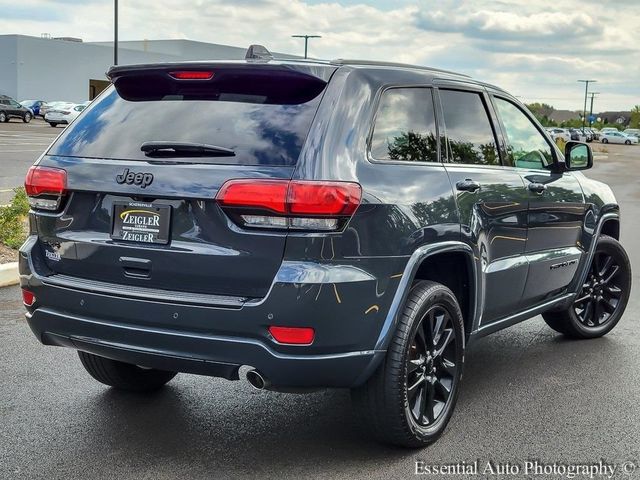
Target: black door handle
(537, 187)
(467, 185)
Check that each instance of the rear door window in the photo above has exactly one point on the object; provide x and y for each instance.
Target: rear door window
(263, 120)
(405, 126)
(469, 133)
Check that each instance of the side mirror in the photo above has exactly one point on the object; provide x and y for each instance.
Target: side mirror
(578, 156)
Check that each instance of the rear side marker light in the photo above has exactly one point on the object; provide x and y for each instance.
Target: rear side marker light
(28, 298)
(292, 335)
(45, 187)
(192, 75)
(290, 204)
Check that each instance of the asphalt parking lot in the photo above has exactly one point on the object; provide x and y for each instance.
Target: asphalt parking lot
(20, 145)
(527, 394)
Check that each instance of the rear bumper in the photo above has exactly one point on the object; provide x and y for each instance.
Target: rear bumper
(217, 340)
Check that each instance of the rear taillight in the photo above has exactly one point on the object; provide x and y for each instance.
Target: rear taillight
(45, 187)
(290, 204)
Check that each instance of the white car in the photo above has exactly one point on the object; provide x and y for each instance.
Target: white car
(634, 132)
(617, 137)
(63, 114)
(557, 133)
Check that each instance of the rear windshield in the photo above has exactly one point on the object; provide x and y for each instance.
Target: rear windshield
(263, 122)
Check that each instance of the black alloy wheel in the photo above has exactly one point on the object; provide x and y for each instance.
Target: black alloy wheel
(600, 295)
(431, 366)
(602, 300)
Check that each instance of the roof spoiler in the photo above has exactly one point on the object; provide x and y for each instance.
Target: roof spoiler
(258, 52)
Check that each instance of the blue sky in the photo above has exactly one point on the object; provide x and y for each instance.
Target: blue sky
(535, 49)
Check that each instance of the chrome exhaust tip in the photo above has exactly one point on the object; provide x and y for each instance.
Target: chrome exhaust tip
(256, 380)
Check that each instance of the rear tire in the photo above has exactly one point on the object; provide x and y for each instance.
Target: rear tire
(602, 300)
(26, 118)
(604, 140)
(3, 117)
(53, 124)
(410, 398)
(627, 142)
(124, 376)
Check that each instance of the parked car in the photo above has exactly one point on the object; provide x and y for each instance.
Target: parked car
(63, 114)
(307, 220)
(51, 105)
(9, 109)
(635, 132)
(595, 133)
(34, 106)
(618, 137)
(578, 135)
(559, 133)
(609, 129)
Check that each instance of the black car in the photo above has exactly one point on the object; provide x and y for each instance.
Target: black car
(9, 109)
(321, 224)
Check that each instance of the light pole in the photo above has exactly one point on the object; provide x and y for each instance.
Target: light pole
(306, 41)
(586, 89)
(115, 32)
(593, 94)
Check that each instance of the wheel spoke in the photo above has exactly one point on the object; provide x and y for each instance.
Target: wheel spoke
(597, 312)
(429, 403)
(587, 312)
(427, 327)
(613, 290)
(413, 389)
(448, 336)
(443, 389)
(608, 305)
(413, 365)
(605, 266)
(449, 367)
(614, 271)
(418, 403)
(585, 296)
(438, 328)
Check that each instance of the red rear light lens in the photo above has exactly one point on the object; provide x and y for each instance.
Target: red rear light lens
(192, 75)
(293, 335)
(262, 194)
(28, 298)
(323, 198)
(45, 180)
(290, 204)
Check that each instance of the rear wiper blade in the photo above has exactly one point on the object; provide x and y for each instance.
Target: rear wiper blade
(184, 149)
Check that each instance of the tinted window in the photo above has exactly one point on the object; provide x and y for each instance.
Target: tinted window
(526, 147)
(469, 132)
(405, 127)
(265, 126)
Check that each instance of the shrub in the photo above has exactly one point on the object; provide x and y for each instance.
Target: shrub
(13, 220)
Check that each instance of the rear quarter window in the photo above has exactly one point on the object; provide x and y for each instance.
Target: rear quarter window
(405, 126)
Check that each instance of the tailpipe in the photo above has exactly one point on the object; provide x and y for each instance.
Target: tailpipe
(256, 380)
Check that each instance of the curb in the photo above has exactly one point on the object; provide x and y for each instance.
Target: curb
(9, 274)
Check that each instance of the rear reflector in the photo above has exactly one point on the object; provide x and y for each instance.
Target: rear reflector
(295, 204)
(28, 298)
(192, 75)
(292, 335)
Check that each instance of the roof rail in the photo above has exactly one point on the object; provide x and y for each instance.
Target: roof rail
(374, 63)
(258, 52)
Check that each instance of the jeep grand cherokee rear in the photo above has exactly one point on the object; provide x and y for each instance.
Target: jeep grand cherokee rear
(325, 224)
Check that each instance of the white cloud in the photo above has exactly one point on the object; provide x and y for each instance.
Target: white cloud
(534, 49)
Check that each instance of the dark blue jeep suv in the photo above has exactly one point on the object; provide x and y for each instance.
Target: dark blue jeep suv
(325, 224)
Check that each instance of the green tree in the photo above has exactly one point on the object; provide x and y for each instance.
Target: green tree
(634, 122)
